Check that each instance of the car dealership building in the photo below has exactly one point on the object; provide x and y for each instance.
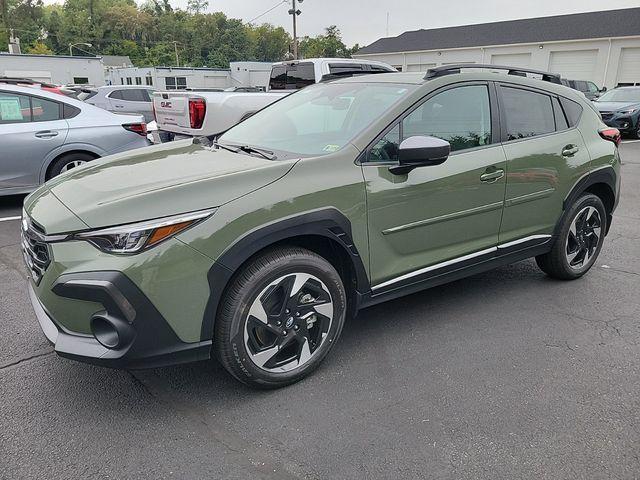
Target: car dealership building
(603, 47)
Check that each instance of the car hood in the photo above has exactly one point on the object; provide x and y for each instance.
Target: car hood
(615, 106)
(159, 181)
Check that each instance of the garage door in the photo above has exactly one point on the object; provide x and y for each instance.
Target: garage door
(629, 66)
(422, 67)
(521, 60)
(575, 64)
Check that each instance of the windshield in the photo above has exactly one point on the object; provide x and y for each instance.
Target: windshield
(318, 120)
(621, 95)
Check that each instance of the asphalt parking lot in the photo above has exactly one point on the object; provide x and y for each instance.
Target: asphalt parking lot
(503, 375)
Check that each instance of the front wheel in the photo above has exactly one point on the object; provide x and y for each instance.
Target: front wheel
(579, 241)
(280, 317)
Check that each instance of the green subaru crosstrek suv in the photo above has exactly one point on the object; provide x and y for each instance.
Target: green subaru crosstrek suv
(255, 246)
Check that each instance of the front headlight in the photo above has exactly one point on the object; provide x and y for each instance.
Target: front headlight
(629, 111)
(137, 237)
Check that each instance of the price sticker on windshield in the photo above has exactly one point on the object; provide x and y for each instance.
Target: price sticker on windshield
(331, 148)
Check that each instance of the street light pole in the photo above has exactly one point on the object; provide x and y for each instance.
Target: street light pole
(175, 46)
(71, 45)
(295, 12)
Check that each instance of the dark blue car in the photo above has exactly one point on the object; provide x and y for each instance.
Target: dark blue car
(620, 108)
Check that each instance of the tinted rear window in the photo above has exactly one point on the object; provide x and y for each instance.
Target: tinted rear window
(292, 77)
(134, 95)
(69, 111)
(345, 68)
(528, 113)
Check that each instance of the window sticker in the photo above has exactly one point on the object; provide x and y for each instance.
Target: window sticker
(331, 148)
(10, 109)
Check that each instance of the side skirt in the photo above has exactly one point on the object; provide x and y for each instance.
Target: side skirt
(457, 271)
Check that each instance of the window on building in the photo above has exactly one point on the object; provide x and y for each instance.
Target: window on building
(80, 80)
(176, 83)
(122, 81)
(528, 113)
(138, 80)
(129, 82)
(149, 80)
(461, 116)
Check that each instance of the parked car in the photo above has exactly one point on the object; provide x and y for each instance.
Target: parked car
(27, 82)
(256, 246)
(181, 114)
(590, 89)
(125, 99)
(620, 108)
(43, 134)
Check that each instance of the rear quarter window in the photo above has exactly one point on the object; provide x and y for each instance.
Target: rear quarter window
(572, 110)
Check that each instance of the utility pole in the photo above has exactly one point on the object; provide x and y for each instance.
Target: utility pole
(175, 47)
(294, 12)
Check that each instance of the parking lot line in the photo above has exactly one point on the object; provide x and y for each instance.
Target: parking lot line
(6, 219)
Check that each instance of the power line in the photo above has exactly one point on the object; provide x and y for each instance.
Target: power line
(271, 9)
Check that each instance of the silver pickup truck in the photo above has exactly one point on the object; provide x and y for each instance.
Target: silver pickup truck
(182, 114)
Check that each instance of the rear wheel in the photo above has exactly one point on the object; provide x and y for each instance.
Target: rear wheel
(68, 162)
(280, 317)
(579, 241)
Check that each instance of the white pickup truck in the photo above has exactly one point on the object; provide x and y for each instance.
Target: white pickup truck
(192, 113)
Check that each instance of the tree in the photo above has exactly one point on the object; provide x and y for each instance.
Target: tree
(197, 6)
(39, 48)
(328, 45)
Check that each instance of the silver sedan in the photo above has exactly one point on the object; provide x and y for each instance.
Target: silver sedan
(43, 134)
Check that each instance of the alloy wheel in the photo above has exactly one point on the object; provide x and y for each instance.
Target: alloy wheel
(287, 322)
(72, 164)
(583, 238)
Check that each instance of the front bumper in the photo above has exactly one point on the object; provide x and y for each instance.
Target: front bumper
(624, 123)
(146, 340)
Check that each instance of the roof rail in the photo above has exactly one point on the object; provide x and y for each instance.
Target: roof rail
(522, 72)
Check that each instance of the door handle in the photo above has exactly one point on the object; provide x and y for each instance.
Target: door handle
(119, 106)
(491, 177)
(570, 150)
(46, 134)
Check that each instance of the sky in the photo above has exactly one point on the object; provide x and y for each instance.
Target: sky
(364, 21)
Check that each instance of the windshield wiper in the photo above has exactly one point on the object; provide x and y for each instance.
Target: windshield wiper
(263, 153)
(224, 147)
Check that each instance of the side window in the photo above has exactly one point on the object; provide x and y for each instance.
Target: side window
(386, 149)
(572, 110)
(592, 87)
(69, 111)
(134, 95)
(116, 95)
(461, 116)
(44, 110)
(561, 121)
(345, 68)
(300, 75)
(14, 108)
(528, 113)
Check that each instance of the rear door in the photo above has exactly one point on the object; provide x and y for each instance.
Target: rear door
(31, 128)
(131, 100)
(545, 154)
(171, 110)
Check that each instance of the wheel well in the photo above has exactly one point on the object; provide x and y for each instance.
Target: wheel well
(328, 249)
(47, 175)
(605, 193)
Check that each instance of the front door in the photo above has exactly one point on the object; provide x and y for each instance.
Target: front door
(437, 216)
(31, 128)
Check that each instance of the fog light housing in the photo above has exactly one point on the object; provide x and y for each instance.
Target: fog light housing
(110, 331)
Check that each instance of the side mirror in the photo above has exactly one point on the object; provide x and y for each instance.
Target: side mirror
(420, 151)
(603, 89)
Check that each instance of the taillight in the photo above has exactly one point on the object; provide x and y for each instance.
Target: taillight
(611, 134)
(197, 109)
(139, 128)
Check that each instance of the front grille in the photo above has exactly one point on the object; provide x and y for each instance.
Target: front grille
(34, 250)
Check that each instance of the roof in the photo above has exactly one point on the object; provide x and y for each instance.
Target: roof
(116, 61)
(28, 55)
(579, 26)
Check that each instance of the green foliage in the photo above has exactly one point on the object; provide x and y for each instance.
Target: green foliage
(39, 48)
(147, 32)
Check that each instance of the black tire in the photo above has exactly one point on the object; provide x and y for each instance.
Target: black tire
(557, 262)
(59, 165)
(636, 134)
(238, 338)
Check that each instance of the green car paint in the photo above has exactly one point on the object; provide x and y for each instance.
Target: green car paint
(398, 223)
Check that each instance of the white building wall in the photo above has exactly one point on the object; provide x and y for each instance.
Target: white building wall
(606, 69)
(54, 69)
